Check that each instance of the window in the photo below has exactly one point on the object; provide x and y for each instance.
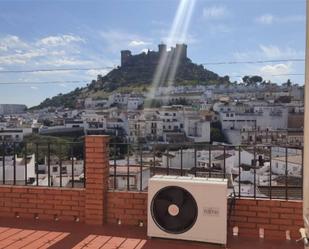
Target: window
(55, 169)
(64, 170)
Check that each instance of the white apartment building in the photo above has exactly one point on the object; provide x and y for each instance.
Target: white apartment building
(172, 117)
(14, 134)
(197, 128)
(134, 103)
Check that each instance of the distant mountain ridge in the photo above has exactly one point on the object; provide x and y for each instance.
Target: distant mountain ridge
(139, 70)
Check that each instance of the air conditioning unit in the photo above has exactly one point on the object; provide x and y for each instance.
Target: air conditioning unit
(188, 208)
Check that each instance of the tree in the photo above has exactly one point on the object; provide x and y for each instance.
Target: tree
(288, 83)
(256, 79)
(246, 79)
(216, 135)
(253, 80)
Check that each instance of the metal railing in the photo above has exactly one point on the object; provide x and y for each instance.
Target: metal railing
(257, 171)
(42, 164)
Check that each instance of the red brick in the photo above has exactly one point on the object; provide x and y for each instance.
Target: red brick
(298, 222)
(268, 215)
(273, 234)
(258, 220)
(259, 208)
(288, 216)
(282, 210)
(281, 221)
(239, 218)
(4, 189)
(268, 226)
(292, 204)
(246, 202)
(245, 213)
(268, 203)
(20, 190)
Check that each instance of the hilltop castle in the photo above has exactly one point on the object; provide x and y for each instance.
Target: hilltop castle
(152, 57)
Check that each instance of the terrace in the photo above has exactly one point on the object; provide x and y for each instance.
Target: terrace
(104, 202)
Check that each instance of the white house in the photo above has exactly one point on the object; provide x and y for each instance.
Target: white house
(20, 169)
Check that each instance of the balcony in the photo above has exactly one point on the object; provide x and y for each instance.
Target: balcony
(105, 211)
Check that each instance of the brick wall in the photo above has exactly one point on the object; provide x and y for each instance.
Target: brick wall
(88, 205)
(97, 175)
(46, 203)
(129, 207)
(275, 216)
(95, 205)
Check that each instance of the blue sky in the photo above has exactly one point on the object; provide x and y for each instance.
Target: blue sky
(90, 34)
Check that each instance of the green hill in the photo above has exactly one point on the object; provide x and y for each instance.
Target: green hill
(137, 71)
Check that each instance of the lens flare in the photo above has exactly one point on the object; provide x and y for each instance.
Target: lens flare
(167, 66)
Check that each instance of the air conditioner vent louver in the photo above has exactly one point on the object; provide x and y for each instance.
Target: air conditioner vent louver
(174, 209)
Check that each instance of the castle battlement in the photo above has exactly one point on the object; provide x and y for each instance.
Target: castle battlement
(152, 57)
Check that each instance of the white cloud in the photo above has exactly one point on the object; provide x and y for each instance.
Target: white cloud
(117, 40)
(63, 85)
(67, 62)
(188, 39)
(20, 58)
(61, 40)
(95, 72)
(215, 12)
(272, 51)
(11, 42)
(265, 19)
(270, 19)
(277, 69)
(214, 29)
(138, 43)
(269, 52)
(144, 50)
(34, 87)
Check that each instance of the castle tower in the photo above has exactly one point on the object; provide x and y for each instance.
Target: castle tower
(181, 49)
(125, 56)
(162, 48)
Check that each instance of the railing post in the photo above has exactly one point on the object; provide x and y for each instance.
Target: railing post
(195, 160)
(128, 167)
(115, 165)
(224, 162)
(26, 164)
(72, 165)
(48, 163)
(286, 173)
(254, 170)
(3, 163)
(141, 168)
(37, 163)
(60, 165)
(270, 173)
(181, 161)
(239, 171)
(97, 177)
(209, 160)
(14, 163)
